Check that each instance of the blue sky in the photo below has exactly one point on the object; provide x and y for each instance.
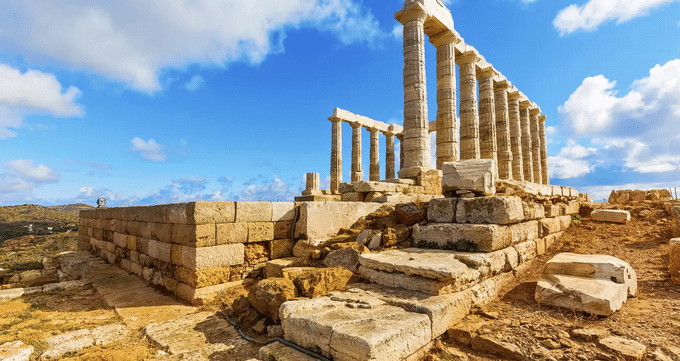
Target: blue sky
(159, 101)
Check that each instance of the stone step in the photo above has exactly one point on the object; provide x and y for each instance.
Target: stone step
(350, 328)
(420, 284)
(433, 264)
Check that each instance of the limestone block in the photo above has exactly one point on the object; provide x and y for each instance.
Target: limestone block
(420, 284)
(442, 210)
(432, 264)
(549, 226)
(353, 197)
(525, 231)
(551, 210)
(540, 246)
(164, 251)
(131, 242)
(594, 266)
(375, 241)
(610, 215)
(175, 254)
(492, 210)
(229, 233)
(15, 351)
(488, 264)
(200, 212)
(476, 175)
(280, 248)
(314, 282)
(347, 258)
(565, 222)
(211, 257)
(526, 251)
(573, 207)
(283, 229)
(381, 187)
(268, 295)
(201, 235)
(674, 260)
(623, 347)
(283, 211)
(592, 295)
(319, 220)
(304, 247)
(675, 221)
(260, 231)
(511, 259)
(254, 211)
(120, 239)
(162, 232)
(274, 268)
(533, 211)
(67, 342)
(487, 237)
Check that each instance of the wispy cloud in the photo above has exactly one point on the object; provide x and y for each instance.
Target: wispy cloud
(20, 177)
(195, 83)
(591, 15)
(32, 92)
(148, 150)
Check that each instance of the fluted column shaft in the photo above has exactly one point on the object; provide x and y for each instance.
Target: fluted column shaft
(515, 136)
(527, 161)
(536, 144)
(447, 134)
(487, 116)
(416, 144)
(503, 131)
(357, 172)
(374, 169)
(469, 122)
(336, 154)
(389, 156)
(544, 150)
(401, 152)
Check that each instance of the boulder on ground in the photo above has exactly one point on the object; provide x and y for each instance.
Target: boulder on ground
(610, 215)
(594, 266)
(268, 295)
(347, 258)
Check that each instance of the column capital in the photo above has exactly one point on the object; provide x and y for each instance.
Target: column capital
(542, 118)
(414, 11)
(501, 84)
(524, 103)
(487, 73)
(467, 57)
(445, 37)
(355, 125)
(514, 95)
(534, 111)
(334, 119)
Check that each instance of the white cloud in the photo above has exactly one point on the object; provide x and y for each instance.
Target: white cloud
(398, 31)
(595, 12)
(274, 189)
(195, 83)
(639, 127)
(32, 92)
(148, 150)
(21, 177)
(572, 162)
(133, 41)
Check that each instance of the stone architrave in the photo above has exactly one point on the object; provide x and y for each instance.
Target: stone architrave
(416, 138)
(536, 145)
(447, 134)
(336, 154)
(357, 172)
(487, 115)
(374, 169)
(503, 129)
(389, 156)
(515, 135)
(527, 162)
(544, 150)
(469, 121)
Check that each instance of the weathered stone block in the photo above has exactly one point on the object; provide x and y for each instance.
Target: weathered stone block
(675, 221)
(533, 211)
(211, 257)
(511, 258)
(525, 231)
(596, 296)
(526, 251)
(354, 197)
(162, 232)
(164, 251)
(260, 231)
(492, 210)
(274, 268)
(131, 242)
(610, 215)
(229, 233)
(486, 237)
(594, 266)
(192, 235)
(319, 220)
(120, 239)
(283, 211)
(551, 210)
(432, 264)
(254, 211)
(280, 248)
(474, 175)
(200, 212)
(674, 260)
(176, 254)
(540, 246)
(549, 226)
(283, 229)
(421, 284)
(442, 210)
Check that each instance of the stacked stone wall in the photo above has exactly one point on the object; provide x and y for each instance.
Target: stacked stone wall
(627, 195)
(190, 248)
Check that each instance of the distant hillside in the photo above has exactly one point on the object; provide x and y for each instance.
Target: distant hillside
(35, 213)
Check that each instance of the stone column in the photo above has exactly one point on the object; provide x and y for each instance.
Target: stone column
(357, 172)
(374, 169)
(515, 135)
(401, 151)
(312, 185)
(416, 144)
(487, 116)
(503, 130)
(389, 156)
(336, 154)
(469, 123)
(447, 134)
(535, 144)
(527, 162)
(544, 151)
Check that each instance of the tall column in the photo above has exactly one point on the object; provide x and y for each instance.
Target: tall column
(503, 130)
(374, 169)
(527, 161)
(389, 156)
(469, 123)
(515, 135)
(544, 150)
(487, 116)
(447, 134)
(536, 144)
(357, 172)
(401, 151)
(416, 142)
(336, 154)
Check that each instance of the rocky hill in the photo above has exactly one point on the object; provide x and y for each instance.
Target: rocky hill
(31, 219)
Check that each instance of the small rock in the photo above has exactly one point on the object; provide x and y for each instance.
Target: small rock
(347, 258)
(454, 354)
(274, 331)
(259, 327)
(15, 351)
(374, 243)
(659, 355)
(551, 344)
(589, 334)
(493, 346)
(628, 349)
(490, 314)
(365, 236)
(409, 214)
(461, 336)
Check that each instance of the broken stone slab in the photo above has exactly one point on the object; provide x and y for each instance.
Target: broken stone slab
(594, 266)
(314, 282)
(268, 295)
(490, 345)
(421, 284)
(610, 215)
(490, 210)
(476, 175)
(442, 210)
(674, 260)
(274, 268)
(589, 334)
(347, 258)
(322, 219)
(627, 349)
(11, 293)
(276, 351)
(108, 334)
(485, 237)
(67, 342)
(305, 247)
(432, 264)
(487, 263)
(15, 351)
(594, 296)
(346, 334)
